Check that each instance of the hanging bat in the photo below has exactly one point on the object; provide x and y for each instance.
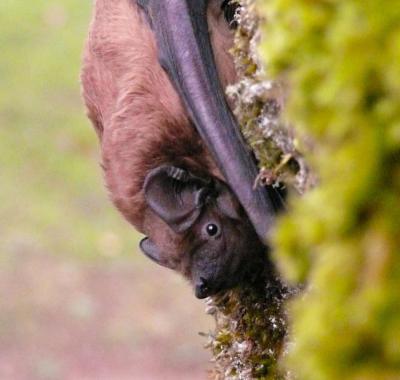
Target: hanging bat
(174, 160)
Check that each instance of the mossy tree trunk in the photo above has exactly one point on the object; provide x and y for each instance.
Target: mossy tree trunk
(337, 65)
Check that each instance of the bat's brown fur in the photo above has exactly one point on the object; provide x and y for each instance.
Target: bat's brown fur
(133, 106)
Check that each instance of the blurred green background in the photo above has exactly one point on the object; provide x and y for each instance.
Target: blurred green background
(77, 299)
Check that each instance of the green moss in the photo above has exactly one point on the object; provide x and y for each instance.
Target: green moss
(341, 62)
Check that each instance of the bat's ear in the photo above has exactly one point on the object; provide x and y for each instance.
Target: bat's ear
(153, 253)
(176, 196)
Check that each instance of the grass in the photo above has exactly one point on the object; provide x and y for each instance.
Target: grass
(51, 190)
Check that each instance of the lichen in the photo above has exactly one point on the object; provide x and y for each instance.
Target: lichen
(258, 107)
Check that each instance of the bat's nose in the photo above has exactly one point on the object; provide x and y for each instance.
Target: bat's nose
(202, 288)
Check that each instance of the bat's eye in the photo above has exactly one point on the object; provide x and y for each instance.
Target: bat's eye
(212, 229)
(229, 7)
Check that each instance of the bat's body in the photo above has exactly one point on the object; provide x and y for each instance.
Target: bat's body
(162, 133)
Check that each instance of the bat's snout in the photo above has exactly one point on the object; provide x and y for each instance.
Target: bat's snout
(207, 287)
(202, 288)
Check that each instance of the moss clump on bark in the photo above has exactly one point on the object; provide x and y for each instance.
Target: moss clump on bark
(341, 61)
(250, 330)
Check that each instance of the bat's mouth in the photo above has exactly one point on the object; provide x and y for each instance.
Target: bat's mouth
(186, 54)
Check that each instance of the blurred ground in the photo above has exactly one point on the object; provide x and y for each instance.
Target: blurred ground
(63, 319)
(77, 299)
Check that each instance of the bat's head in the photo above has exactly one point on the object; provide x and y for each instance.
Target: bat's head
(215, 245)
